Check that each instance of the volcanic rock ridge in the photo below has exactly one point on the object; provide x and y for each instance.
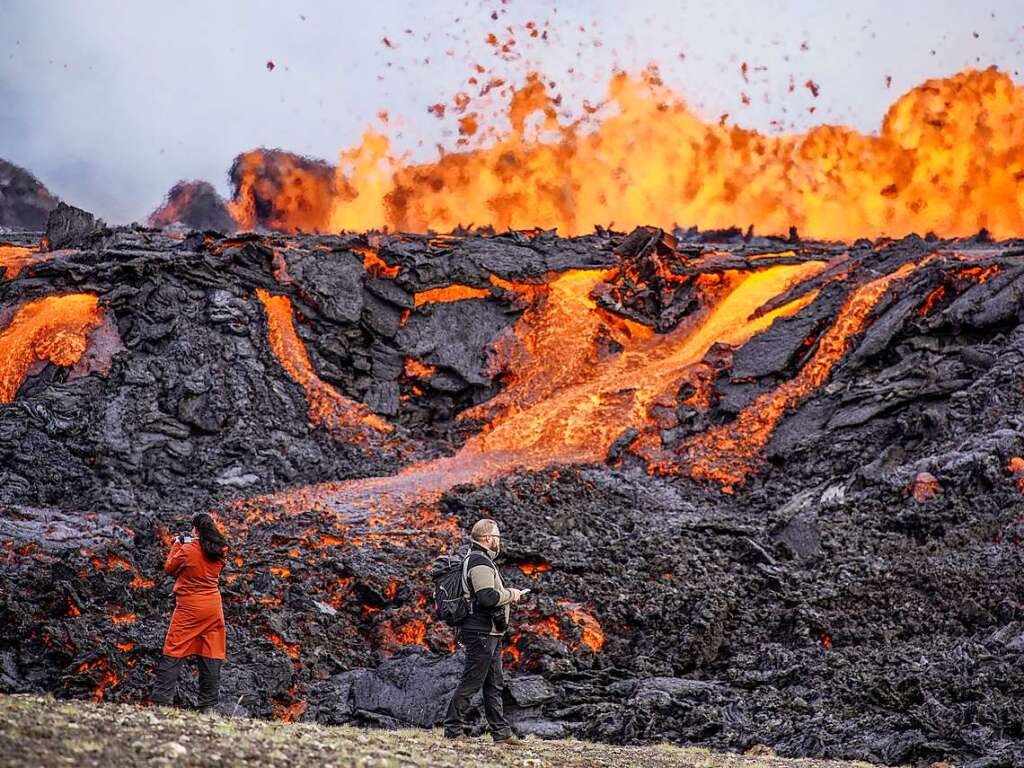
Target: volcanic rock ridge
(766, 491)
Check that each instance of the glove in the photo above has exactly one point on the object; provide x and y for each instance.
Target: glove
(517, 594)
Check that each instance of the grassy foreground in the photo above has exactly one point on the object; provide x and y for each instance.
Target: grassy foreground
(39, 730)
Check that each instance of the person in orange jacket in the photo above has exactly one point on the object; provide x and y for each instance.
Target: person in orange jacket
(197, 624)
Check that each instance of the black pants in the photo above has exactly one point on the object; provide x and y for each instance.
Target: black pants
(482, 669)
(167, 681)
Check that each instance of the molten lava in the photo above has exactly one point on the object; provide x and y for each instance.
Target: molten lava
(949, 159)
(592, 635)
(13, 258)
(567, 402)
(924, 486)
(728, 453)
(292, 649)
(53, 329)
(450, 293)
(374, 265)
(563, 402)
(327, 406)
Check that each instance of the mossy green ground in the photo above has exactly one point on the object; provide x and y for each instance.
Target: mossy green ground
(42, 731)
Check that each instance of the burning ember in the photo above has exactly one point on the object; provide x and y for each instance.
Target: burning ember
(1016, 468)
(924, 486)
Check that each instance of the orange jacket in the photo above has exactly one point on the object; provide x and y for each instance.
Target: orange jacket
(197, 625)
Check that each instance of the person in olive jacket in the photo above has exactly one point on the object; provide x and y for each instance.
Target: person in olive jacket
(481, 635)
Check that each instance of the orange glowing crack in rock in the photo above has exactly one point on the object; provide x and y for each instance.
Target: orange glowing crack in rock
(54, 329)
(374, 265)
(949, 158)
(327, 406)
(728, 453)
(108, 677)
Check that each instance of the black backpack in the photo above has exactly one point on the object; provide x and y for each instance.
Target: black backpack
(452, 602)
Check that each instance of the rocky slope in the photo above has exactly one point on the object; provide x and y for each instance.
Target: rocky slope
(843, 583)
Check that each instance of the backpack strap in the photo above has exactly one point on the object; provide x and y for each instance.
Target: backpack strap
(465, 579)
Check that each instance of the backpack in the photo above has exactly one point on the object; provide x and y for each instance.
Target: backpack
(452, 603)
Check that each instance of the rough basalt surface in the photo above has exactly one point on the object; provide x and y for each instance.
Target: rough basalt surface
(837, 604)
(24, 201)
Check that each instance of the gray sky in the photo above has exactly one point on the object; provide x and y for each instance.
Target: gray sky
(109, 103)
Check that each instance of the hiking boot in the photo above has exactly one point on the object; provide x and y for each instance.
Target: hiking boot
(455, 734)
(505, 738)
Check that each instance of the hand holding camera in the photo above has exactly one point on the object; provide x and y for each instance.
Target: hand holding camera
(184, 539)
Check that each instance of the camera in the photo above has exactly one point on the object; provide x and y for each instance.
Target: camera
(184, 539)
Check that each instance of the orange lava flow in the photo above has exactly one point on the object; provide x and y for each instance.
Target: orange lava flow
(55, 329)
(108, 679)
(290, 712)
(450, 293)
(413, 632)
(327, 406)
(13, 258)
(949, 158)
(565, 402)
(728, 453)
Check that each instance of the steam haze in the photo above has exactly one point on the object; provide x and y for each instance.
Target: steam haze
(111, 103)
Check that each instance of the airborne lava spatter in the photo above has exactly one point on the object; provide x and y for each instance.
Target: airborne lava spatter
(949, 159)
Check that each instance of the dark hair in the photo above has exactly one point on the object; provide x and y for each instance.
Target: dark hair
(211, 540)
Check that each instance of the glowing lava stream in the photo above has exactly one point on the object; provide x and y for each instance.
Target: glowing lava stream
(728, 453)
(326, 405)
(566, 402)
(55, 328)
